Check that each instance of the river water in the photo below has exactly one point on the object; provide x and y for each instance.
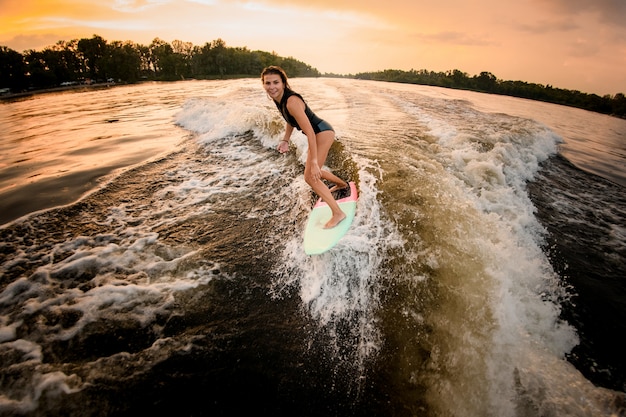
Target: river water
(151, 258)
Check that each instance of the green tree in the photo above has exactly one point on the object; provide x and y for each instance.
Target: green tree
(62, 59)
(93, 53)
(38, 69)
(459, 79)
(486, 81)
(12, 70)
(183, 55)
(619, 105)
(146, 69)
(123, 61)
(162, 59)
(217, 52)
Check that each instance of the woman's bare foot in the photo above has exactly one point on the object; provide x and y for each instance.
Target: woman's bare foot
(338, 187)
(335, 220)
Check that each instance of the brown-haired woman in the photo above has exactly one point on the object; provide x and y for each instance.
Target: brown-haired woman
(319, 133)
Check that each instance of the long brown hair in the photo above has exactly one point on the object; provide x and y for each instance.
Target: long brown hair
(274, 69)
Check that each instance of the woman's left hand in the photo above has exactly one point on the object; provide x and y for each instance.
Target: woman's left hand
(316, 172)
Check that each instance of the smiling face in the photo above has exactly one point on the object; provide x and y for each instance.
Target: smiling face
(274, 86)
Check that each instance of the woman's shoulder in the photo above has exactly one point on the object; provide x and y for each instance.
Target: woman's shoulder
(293, 97)
(290, 93)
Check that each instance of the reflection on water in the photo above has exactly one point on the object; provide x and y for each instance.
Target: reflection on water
(56, 147)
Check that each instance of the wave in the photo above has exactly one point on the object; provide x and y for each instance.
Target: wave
(188, 270)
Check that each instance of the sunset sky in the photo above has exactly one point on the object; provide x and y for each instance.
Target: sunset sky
(573, 44)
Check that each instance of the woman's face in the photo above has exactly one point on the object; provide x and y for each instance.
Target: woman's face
(274, 86)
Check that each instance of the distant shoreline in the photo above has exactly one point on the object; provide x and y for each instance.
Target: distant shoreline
(100, 86)
(94, 86)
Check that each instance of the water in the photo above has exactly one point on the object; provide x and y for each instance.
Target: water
(483, 274)
(59, 148)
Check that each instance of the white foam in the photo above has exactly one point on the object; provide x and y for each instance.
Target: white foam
(8, 332)
(139, 301)
(488, 163)
(328, 285)
(341, 285)
(41, 383)
(215, 120)
(47, 384)
(129, 272)
(30, 350)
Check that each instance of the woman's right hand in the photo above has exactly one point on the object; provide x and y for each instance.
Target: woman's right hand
(283, 146)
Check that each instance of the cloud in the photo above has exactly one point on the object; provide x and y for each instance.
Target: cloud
(546, 26)
(455, 38)
(205, 2)
(112, 24)
(21, 43)
(134, 6)
(583, 48)
(608, 11)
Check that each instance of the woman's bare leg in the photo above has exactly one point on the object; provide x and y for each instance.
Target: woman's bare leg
(324, 142)
(322, 190)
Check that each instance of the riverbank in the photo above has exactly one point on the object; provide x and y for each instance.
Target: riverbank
(489, 83)
(618, 114)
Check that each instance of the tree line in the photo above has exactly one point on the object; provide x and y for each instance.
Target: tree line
(488, 83)
(96, 60)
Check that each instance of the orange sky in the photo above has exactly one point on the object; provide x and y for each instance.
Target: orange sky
(574, 44)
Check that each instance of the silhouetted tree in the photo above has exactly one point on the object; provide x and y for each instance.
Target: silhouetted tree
(12, 70)
(94, 58)
(93, 52)
(486, 81)
(123, 61)
(39, 70)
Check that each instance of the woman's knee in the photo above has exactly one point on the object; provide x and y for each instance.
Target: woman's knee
(308, 177)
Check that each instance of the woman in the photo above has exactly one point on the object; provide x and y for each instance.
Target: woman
(320, 136)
